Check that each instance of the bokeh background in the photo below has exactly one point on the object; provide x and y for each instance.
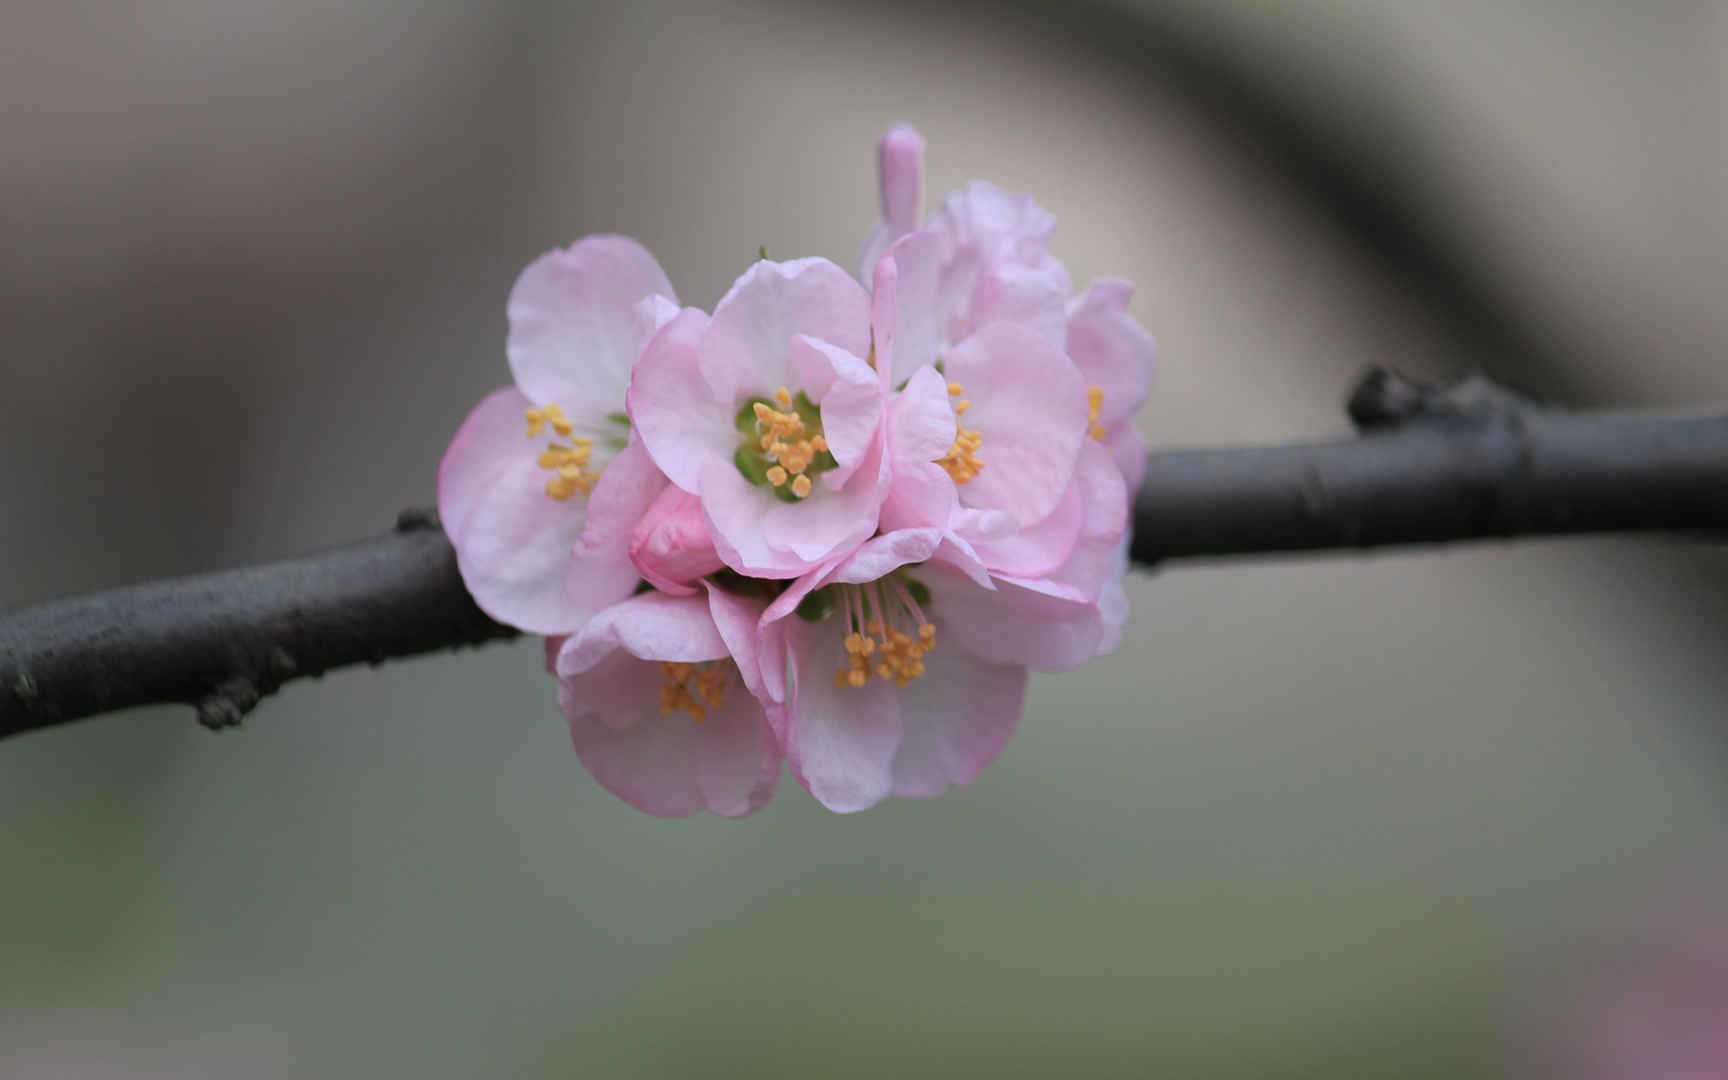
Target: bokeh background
(1322, 817)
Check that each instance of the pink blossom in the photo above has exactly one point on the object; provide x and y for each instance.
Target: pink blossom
(907, 665)
(657, 691)
(1020, 404)
(928, 480)
(988, 262)
(515, 484)
(770, 413)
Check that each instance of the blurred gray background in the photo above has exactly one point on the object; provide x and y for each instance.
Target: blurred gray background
(1335, 816)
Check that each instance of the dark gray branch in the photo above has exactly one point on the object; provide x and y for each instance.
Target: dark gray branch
(1474, 462)
(222, 641)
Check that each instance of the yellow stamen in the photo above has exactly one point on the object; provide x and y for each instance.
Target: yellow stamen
(876, 647)
(675, 696)
(568, 464)
(784, 439)
(961, 461)
(554, 414)
(1095, 405)
(955, 389)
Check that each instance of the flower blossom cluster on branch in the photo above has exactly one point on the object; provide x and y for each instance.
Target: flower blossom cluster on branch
(831, 524)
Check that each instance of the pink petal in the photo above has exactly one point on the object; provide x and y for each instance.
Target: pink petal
(921, 418)
(1029, 404)
(1034, 296)
(922, 495)
(850, 397)
(737, 763)
(882, 555)
(1103, 519)
(904, 312)
(648, 760)
(550, 646)
(491, 441)
(955, 720)
(1111, 350)
(652, 626)
(982, 230)
(813, 530)
(671, 765)
(574, 330)
(1000, 225)
(737, 512)
(1035, 622)
(1113, 603)
(737, 617)
(513, 542)
(602, 571)
(1129, 450)
(1031, 550)
(840, 742)
(745, 351)
(683, 423)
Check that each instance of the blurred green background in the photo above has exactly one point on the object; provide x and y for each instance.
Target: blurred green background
(1325, 817)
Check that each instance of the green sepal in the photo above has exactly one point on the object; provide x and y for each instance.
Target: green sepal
(816, 606)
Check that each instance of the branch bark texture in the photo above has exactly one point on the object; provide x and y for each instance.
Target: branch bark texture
(1471, 463)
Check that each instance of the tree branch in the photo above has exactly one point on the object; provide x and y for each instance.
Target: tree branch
(1431, 466)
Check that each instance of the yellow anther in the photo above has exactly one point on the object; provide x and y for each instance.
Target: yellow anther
(554, 415)
(961, 461)
(675, 696)
(1094, 406)
(890, 646)
(711, 686)
(783, 436)
(568, 463)
(955, 389)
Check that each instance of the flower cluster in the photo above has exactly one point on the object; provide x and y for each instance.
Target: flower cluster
(832, 523)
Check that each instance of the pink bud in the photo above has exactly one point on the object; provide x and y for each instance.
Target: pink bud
(900, 164)
(671, 546)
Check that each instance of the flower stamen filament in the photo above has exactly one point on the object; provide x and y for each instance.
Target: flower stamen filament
(887, 635)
